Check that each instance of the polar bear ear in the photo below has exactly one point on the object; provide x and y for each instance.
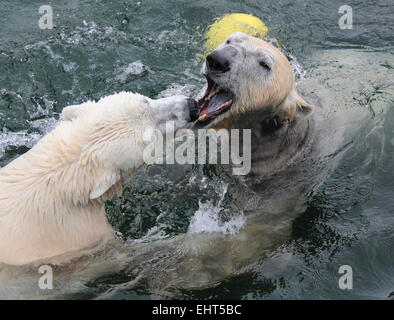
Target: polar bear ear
(293, 104)
(101, 187)
(304, 107)
(71, 112)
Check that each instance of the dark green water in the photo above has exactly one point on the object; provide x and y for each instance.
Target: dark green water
(156, 48)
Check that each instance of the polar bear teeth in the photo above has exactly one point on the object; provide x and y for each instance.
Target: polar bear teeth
(216, 100)
(225, 104)
(211, 95)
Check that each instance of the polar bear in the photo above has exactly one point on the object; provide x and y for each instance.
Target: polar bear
(300, 133)
(52, 198)
(251, 85)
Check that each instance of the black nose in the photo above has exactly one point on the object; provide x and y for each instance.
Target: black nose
(218, 61)
(193, 109)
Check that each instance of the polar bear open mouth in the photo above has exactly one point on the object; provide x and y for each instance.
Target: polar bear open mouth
(215, 101)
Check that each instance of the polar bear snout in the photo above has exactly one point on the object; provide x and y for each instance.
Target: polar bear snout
(220, 60)
(180, 110)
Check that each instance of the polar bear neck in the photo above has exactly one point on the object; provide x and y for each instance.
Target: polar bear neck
(275, 140)
(45, 209)
(60, 170)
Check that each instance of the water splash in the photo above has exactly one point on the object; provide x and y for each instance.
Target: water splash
(23, 138)
(45, 125)
(16, 139)
(135, 68)
(299, 71)
(178, 89)
(208, 219)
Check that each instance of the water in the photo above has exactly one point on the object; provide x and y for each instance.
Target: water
(195, 227)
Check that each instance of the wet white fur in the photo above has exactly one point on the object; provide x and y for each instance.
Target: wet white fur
(52, 198)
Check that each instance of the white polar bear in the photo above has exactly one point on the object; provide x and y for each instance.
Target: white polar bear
(52, 198)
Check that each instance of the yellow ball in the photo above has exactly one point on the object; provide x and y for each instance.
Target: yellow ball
(230, 23)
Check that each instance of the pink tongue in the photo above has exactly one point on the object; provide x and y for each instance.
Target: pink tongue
(212, 105)
(204, 110)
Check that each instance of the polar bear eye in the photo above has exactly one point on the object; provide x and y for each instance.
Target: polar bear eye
(265, 65)
(228, 42)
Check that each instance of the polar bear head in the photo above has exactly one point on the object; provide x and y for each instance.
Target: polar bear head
(246, 74)
(107, 137)
(52, 197)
